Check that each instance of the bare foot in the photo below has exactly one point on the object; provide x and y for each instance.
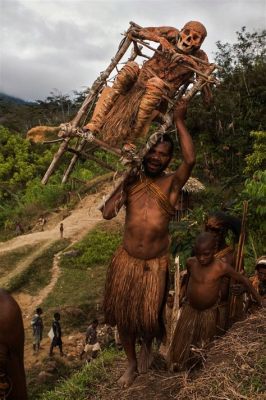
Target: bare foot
(145, 358)
(128, 377)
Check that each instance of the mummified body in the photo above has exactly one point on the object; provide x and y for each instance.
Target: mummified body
(138, 94)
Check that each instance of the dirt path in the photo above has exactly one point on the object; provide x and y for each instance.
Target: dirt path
(25, 263)
(81, 220)
(76, 225)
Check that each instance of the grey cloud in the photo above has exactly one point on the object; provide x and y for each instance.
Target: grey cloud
(65, 44)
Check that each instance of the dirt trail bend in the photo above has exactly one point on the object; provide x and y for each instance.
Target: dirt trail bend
(25, 263)
(76, 225)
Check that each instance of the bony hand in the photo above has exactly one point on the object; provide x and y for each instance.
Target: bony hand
(168, 49)
(180, 110)
(237, 289)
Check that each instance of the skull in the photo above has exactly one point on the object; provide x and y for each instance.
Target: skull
(191, 37)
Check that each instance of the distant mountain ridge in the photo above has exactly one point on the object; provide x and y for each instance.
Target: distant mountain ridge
(11, 99)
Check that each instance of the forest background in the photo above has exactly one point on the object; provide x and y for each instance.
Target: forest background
(230, 139)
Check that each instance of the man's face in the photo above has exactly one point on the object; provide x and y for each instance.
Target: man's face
(157, 159)
(262, 273)
(204, 253)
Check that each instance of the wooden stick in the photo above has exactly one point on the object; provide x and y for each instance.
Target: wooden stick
(52, 141)
(239, 257)
(176, 307)
(176, 310)
(93, 92)
(55, 161)
(73, 161)
(82, 154)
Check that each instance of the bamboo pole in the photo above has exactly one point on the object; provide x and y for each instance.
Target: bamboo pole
(71, 166)
(73, 161)
(240, 255)
(176, 298)
(175, 312)
(82, 154)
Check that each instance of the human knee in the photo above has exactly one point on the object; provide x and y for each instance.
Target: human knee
(126, 77)
(156, 85)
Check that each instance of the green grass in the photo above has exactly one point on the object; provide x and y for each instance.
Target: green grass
(63, 371)
(9, 260)
(96, 248)
(38, 273)
(84, 382)
(255, 382)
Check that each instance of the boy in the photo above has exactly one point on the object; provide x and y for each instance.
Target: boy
(198, 320)
(37, 328)
(57, 340)
(92, 346)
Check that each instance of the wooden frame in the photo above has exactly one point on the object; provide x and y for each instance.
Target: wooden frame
(73, 129)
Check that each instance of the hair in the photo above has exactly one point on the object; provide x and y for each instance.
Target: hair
(229, 222)
(39, 310)
(56, 315)
(205, 237)
(166, 138)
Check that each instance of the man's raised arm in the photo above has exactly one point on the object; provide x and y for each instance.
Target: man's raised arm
(183, 172)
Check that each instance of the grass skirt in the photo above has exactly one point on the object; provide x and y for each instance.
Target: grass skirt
(119, 121)
(194, 328)
(133, 295)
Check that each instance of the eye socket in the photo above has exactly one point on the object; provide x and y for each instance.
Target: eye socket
(196, 37)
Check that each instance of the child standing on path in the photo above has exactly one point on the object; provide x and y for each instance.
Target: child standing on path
(57, 340)
(37, 328)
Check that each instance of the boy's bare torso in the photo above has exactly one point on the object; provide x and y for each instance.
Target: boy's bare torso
(204, 284)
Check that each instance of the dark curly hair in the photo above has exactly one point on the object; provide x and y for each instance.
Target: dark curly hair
(228, 222)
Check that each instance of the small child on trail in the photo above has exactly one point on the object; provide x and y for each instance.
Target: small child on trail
(37, 328)
(197, 324)
(61, 230)
(56, 331)
(92, 346)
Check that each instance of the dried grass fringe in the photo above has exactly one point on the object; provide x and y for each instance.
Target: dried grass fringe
(132, 293)
(122, 116)
(194, 328)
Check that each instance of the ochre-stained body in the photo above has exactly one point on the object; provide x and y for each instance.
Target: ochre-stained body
(139, 94)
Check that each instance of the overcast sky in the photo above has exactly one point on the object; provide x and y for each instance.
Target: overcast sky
(64, 44)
